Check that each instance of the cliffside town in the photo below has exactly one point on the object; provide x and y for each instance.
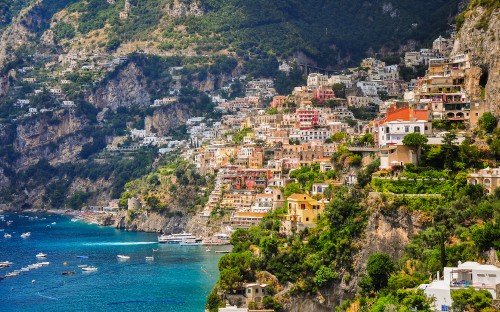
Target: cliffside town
(311, 170)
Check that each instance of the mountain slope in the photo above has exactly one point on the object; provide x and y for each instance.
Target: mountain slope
(327, 32)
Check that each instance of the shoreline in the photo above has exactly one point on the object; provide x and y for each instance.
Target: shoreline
(93, 218)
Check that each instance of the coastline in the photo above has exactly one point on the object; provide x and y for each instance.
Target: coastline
(146, 223)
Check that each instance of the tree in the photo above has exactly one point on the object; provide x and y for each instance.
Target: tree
(379, 268)
(470, 300)
(339, 90)
(339, 136)
(367, 138)
(415, 141)
(213, 302)
(488, 122)
(324, 275)
(448, 148)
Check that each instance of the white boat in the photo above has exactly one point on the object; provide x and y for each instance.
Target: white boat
(122, 257)
(208, 249)
(222, 251)
(26, 235)
(7, 235)
(191, 242)
(43, 263)
(11, 274)
(41, 255)
(150, 258)
(5, 264)
(175, 238)
(89, 269)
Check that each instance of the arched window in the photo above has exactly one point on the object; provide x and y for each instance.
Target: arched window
(416, 129)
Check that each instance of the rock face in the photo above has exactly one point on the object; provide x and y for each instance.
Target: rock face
(178, 8)
(483, 46)
(388, 231)
(56, 138)
(146, 222)
(166, 118)
(125, 90)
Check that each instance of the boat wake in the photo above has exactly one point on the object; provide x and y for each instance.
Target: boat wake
(48, 297)
(119, 244)
(148, 301)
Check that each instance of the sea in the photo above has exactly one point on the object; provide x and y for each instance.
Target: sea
(178, 279)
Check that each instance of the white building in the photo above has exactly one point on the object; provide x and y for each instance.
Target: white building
(305, 136)
(465, 275)
(393, 132)
(315, 80)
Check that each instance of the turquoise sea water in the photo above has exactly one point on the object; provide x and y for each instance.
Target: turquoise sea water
(179, 278)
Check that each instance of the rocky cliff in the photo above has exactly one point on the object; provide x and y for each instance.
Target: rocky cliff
(388, 231)
(55, 136)
(127, 89)
(479, 36)
(146, 221)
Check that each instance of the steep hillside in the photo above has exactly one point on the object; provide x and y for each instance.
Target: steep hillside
(326, 32)
(480, 35)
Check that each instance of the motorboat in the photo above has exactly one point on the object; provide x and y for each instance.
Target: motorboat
(122, 257)
(68, 272)
(5, 264)
(82, 257)
(41, 255)
(175, 238)
(150, 258)
(7, 235)
(12, 274)
(208, 249)
(222, 251)
(89, 269)
(43, 263)
(26, 235)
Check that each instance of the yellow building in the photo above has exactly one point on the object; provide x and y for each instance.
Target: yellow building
(303, 212)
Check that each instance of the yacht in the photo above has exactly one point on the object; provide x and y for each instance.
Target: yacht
(7, 235)
(191, 241)
(41, 255)
(89, 269)
(175, 238)
(26, 235)
(122, 257)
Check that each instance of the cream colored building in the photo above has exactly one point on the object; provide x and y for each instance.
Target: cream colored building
(489, 178)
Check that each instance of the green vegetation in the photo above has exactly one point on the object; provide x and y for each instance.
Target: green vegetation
(311, 259)
(488, 122)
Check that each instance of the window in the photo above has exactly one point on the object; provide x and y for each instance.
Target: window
(407, 129)
(417, 129)
(426, 128)
(307, 219)
(256, 290)
(249, 290)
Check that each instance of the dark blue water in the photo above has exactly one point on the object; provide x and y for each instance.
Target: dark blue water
(179, 278)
